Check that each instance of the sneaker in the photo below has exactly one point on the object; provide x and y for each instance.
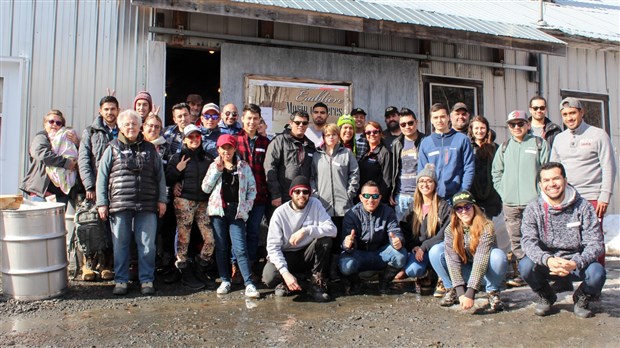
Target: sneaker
(147, 288)
(516, 282)
(318, 290)
(120, 289)
(582, 301)
(440, 290)
(281, 290)
(224, 288)
(495, 302)
(449, 298)
(546, 299)
(251, 292)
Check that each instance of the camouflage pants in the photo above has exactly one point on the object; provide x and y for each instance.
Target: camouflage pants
(186, 212)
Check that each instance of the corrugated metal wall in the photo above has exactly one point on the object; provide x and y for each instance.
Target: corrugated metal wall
(77, 49)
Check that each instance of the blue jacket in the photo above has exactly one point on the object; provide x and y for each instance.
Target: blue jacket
(371, 229)
(453, 157)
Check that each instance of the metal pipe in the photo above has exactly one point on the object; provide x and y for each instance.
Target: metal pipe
(225, 37)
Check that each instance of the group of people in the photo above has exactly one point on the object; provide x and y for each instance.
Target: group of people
(345, 199)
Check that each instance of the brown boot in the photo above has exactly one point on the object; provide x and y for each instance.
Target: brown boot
(88, 274)
(318, 288)
(104, 267)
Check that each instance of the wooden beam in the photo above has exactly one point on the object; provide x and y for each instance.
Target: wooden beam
(349, 23)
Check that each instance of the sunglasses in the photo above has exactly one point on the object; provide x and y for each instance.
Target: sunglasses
(300, 123)
(370, 195)
(463, 208)
(211, 116)
(536, 108)
(301, 192)
(55, 122)
(405, 124)
(194, 136)
(372, 132)
(234, 113)
(516, 124)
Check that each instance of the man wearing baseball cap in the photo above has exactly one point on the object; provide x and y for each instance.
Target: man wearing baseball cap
(299, 240)
(459, 116)
(587, 155)
(393, 128)
(360, 122)
(515, 168)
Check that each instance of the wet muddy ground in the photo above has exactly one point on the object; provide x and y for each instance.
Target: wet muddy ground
(89, 315)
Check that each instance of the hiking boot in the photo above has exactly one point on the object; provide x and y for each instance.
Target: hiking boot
(355, 284)
(440, 290)
(173, 276)
(120, 289)
(318, 289)
(495, 302)
(581, 301)
(251, 291)
(546, 299)
(236, 276)
(449, 298)
(562, 285)
(87, 272)
(516, 282)
(107, 274)
(514, 279)
(147, 288)
(386, 279)
(281, 290)
(424, 284)
(189, 280)
(224, 288)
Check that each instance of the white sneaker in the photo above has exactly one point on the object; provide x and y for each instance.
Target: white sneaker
(250, 291)
(224, 288)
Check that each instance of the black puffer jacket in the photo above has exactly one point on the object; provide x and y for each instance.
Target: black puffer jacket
(193, 174)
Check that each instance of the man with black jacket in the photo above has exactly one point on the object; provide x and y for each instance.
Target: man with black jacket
(540, 124)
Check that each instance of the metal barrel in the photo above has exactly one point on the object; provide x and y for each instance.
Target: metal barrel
(34, 251)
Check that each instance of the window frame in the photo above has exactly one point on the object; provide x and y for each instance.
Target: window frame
(591, 97)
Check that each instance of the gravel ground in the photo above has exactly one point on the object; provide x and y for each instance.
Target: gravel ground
(89, 315)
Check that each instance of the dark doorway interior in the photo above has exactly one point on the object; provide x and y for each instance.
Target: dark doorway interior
(191, 71)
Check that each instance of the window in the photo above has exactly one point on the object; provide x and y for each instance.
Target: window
(595, 107)
(448, 91)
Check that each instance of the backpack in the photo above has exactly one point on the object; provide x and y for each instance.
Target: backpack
(88, 236)
(539, 141)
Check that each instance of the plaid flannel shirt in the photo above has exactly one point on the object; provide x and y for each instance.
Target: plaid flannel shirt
(255, 157)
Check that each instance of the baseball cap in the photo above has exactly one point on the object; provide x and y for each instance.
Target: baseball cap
(462, 197)
(517, 115)
(390, 110)
(570, 102)
(358, 111)
(189, 129)
(458, 106)
(226, 139)
(210, 106)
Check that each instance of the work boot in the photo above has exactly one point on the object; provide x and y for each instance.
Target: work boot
(449, 298)
(202, 267)
(106, 265)
(424, 284)
(281, 290)
(581, 301)
(88, 274)
(440, 290)
(386, 279)
(562, 285)
(188, 279)
(318, 289)
(495, 301)
(513, 278)
(236, 276)
(546, 299)
(355, 284)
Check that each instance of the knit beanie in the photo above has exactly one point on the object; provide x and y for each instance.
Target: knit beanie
(348, 119)
(143, 95)
(428, 172)
(299, 182)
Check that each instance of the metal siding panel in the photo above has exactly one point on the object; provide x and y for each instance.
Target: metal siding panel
(22, 41)
(6, 28)
(107, 43)
(572, 61)
(281, 31)
(64, 58)
(125, 59)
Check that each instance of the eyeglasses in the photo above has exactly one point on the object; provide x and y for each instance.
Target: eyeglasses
(130, 124)
(372, 132)
(405, 124)
(301, 192)
(234, 113)
(211, 116)
(331, 135)
(536, 108)
(156, 126)
(370, 195)
(194, 136)
(516, 124)
(300, 123)
(463, 208)
(425, 182)
(55, 122)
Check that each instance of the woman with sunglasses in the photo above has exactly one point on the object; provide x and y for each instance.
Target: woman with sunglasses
(53, 161)
(334, 181)
(209, 118)
(231, 184)
(423, 226)
(189, 167)
(482, 188)
(469, 258)
(376, 163)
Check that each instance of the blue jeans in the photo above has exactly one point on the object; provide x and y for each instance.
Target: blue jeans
(230, 230)
(538, 276)
(415, 268)
(144, 233)
(403, 202)
(252, 231)
(362, 260)
(493, 279)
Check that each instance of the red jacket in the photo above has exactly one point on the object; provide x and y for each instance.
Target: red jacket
(255, 159)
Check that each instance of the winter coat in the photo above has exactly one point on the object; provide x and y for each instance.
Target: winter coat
(422, 240)
(193, 174)
(371, 229)
(397, 148)
(550, 130)
(255, 158)
(94, 141)
(482, 187)
(212, 184)
(376, 165)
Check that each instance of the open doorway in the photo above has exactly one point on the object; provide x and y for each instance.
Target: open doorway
(191, 71)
